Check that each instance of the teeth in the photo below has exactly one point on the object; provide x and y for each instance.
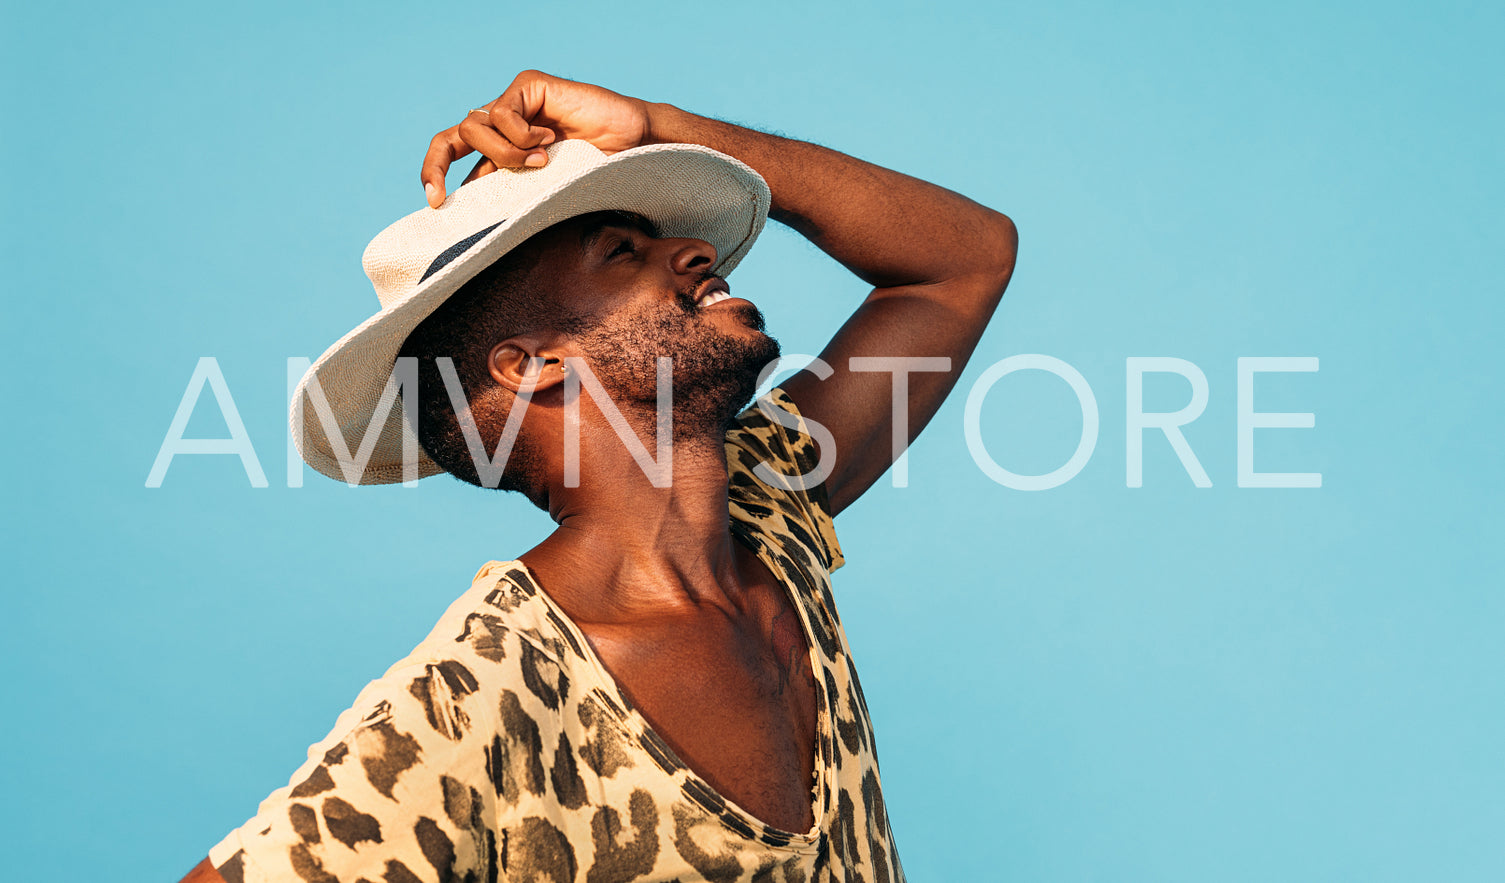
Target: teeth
(714, 297)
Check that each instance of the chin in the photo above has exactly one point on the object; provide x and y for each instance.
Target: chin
(721, 383)
(750, 316)
(717, 362)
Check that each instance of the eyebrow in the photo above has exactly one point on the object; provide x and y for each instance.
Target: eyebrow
(590, 234)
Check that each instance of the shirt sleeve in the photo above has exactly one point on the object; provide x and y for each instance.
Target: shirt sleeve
(775, 479)
(398, 791)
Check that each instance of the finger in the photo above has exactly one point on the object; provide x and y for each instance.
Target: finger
(510, 115)
(477, 131)
(518, 106)
(482, 168)
(444, 149)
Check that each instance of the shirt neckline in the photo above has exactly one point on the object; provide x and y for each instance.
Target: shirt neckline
(623, 708)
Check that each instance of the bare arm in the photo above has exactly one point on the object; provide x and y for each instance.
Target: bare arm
(938, 261)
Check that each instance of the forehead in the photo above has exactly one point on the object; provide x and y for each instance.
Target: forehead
(557, 263)
(562, 252)
(591, 226)
(579, 234)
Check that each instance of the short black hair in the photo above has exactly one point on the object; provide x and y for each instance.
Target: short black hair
(495, 305)
(485, 311)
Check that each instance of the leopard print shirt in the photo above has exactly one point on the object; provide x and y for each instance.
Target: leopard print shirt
(501, 749)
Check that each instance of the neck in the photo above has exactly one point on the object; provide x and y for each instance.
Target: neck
(626, 549)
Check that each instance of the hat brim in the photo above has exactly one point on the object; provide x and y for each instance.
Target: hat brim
(684, 189)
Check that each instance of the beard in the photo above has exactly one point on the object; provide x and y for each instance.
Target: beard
(715, 373)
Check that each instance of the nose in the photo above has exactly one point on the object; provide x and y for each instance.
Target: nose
(688, 256)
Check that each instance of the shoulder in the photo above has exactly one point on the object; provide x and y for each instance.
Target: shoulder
(776, 480)
(772, 430)
(442, 745)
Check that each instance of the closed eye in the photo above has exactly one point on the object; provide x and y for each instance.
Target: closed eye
(613, 227)
(623, 246)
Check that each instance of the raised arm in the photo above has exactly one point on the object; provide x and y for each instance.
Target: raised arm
(938, 261)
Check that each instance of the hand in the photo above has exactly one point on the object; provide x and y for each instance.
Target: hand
(535, 111)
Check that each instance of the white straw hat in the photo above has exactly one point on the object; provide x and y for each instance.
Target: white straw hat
(418, 262)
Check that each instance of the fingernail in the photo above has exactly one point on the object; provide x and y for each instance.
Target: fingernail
(430, 191)
(535, 160)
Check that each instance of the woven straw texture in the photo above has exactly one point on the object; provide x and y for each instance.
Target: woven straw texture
(685, 189)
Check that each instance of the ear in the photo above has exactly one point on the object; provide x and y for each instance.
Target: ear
(524, 363)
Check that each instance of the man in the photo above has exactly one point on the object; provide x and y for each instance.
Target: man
(661, 689)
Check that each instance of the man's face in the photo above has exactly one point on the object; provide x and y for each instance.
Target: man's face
(639, 297)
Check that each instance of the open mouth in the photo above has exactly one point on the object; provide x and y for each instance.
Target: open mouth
(712, 291)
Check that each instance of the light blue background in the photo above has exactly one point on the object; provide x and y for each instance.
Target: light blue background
(1087, 683)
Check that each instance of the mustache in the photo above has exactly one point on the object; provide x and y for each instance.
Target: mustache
(686, 295)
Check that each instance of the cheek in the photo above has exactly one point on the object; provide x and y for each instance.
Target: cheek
(623, 305)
